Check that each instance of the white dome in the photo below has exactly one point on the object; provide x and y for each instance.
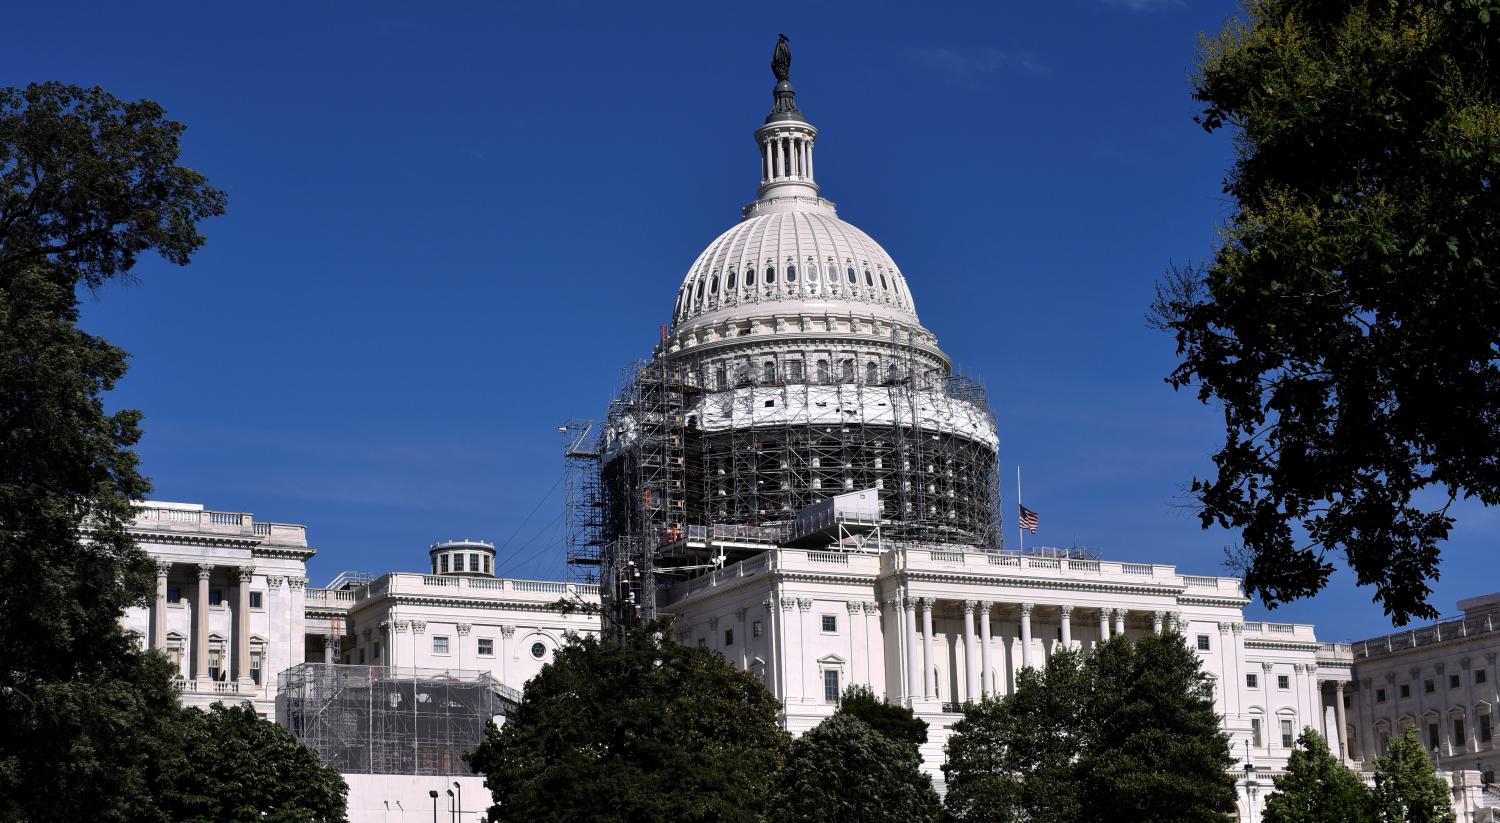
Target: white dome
(795, 253)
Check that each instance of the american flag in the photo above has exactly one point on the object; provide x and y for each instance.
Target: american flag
(1028, 520)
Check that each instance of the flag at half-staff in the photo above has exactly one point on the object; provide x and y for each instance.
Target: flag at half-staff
(1028, 520)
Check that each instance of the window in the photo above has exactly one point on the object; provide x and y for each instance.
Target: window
(830, 623)
(1252, 681)
(215, 597)
(1479, 675)
(174, 594)
(215, 663)
(486, 563)
(1380, 695)
(850, 273)
(440, 644)
(756, 629)
(794, 370)
(791, 274)
(1286, 733)
(375, 652)
(872, 373)
(1432, 736)
(473, 562)
(699, 293)
(770, 274)
(1485, 732)
(1460, 739)
(729, 281)
(1453, 681)
(1255, 739)
(830, 686)
(713, 285)
(822, 371)
(256, 657)
(721, 377)
(869, 281)
(486, 646)
(1428, 687)
(829, 273)
(768, 371)
(882, 281)
(255, 600)
(847, 367)
(1283, 681)
(445, 564)
(750, 277)
(729, 637)
(1405, 690)
(1202, 642)
(538, 651)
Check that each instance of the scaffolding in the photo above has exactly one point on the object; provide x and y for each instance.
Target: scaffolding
(385, 720)
(582, 513)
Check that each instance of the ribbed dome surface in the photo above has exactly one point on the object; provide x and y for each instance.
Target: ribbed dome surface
(803, 254)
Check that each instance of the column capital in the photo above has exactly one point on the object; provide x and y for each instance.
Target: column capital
(969, 606)
(274, 581)
(418, 626)
(854, 606)
(871, 607)
(385, 625)
(1026, 609)
(204, 570)
(804, 604)
(1067, 611)
(464, 629)
(1159, 616)
(713, 623)
(163, 568)
(986, 605)
(1223, 628)
(507, 631)
(768, 603)
(401, 626)
(1338, 687)
(296, 583)
(926, 603)
(245, 573)
(1119, 614)
(788, 603)
(1237, 628)
(327, 641)
(1265, 667)
(739, 614)
(909, 604)
(1439, 666)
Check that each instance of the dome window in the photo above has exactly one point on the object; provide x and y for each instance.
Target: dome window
(822, 371)
(882, 282)
(699, 293)
(847, 367)
(713, 285)
(830, 273)
(770, 274)
(750, 277)
(869, 281)
(872, 373)
(729, 283)
(791, 274)
(768, 372)
(852, 278)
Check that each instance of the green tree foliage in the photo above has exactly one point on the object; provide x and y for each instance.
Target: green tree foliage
(895, 722)
(1348, 320)
(843, 771)
(232, 765)
(1407, 788)
(87, 183)
(642, 729)
(1317, 788)
(1126, 733)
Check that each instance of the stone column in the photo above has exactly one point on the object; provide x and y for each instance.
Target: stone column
(971, 653)
(809, 160)
(1157, 620)
(765, 159)
(200, 626)
(327, 648)
(1338, 717)
(1026, 635)
(987, 677)
(159, 607)
(929, 682)
(242, 630)
(1119, 622)
(914, 677)
(1067, 626)
(1103, 625)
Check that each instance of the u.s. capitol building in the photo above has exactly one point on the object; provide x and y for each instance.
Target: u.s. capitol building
(798, 478)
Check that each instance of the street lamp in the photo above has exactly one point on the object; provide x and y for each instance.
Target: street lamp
(460, 788)
(452, 810)
(1251, 786)
(432, 793)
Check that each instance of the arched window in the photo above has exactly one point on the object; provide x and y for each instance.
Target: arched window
(892, 373)
(882, 282)
(699, 294)
(729, 282)
(768, 371)
(847, 370)
(822, 371)
(791, 274)
(713, 285)
(750, 277)
(721, 377)
(770, 274)
(872, 373)
(794, 370)
(828, 272)
(869, 281)
(852, 278)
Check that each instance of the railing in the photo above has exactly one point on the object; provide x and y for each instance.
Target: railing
(325, 595)
(838, 558)
(1193, 582)
(538, 586)
(1083, 565)
(215, 687)
(947, 557)
(439, 581)
(1005, 560)
(485, 583)
(1447, 630)
(1136, 568)
(262, 529)
(225, 519)
(1042, 563)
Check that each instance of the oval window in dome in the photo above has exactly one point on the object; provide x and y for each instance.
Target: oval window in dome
(750, 277)
(770, 274)
(791, 274)
(713, 285)
(882, 282)
(852, 278)
(829, 273)
(699, 294)
(869, 281)
(729, 283)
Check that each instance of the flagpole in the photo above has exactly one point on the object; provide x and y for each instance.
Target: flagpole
(1020, 527)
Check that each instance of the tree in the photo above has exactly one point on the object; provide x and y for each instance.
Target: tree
(87, 184)
(843, 770)
(1407, 788)
(232, 765)
(1126, 733)
(1348, 319)
(1015, 758)
(1317, 788)
(639, 729)
(895, 722)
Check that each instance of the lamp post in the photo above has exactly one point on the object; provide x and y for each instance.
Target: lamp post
(452, 810)
(460, 788)
(432, 793)
(1251, 786)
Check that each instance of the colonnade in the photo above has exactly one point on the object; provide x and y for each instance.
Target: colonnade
(242, 577)
(980, 676)
(786, 155)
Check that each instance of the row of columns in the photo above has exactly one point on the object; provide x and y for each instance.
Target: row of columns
(244, 575)
(978, 673)
(786, 156)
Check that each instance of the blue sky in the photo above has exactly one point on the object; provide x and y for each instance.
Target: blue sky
(450, 226)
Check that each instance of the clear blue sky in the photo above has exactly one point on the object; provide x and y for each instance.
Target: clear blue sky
(449, 228)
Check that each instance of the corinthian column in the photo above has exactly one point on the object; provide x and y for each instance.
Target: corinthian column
(987, 677)
(1338, 717)
(1026, 635)
(1119, 621)
(159, 607)
(1067, 626)
(914, 677)
(929, 683)
(971, 656)
(242, 631)
(200, 626)
(1103, 625)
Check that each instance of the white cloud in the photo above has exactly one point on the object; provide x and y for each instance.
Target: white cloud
(974, 66)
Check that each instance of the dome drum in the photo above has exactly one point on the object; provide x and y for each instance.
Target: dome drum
(468, 558)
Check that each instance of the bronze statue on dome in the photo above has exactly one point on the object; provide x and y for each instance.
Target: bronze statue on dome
(781, 60)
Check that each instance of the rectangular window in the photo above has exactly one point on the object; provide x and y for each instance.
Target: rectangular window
(215, 664)
(1479, 675)
(174, 594)
(440, 644)
(729, 637)
(1380, 695)
(1432, 736)
(830, 686)
(1202, 642)
(375, 652)
(1255, 732)
(1453, 681)
(486, 646)
(215, 597)
(473, 562)
(1283, 682)
(1460, 736)
(1428, 687)
(444, 565)
(830, 623)
(255, 600)
(1252, 681)
(1485, 732)
(1286, 734)
(486, 564)
(1405, 690)
(756, 629)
